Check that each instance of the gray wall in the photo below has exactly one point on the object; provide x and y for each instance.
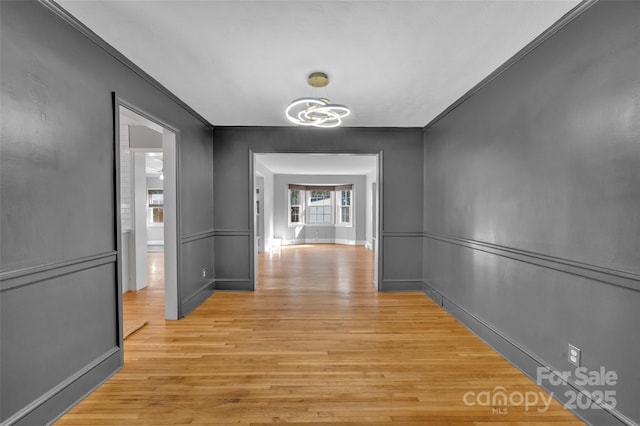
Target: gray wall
(308, 233)
(402, 186)
(532, 201)
(59, 287)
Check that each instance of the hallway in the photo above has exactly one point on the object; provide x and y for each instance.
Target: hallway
(314, 343)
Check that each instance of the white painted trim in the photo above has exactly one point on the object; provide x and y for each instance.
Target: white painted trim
(350, 242)
(170, 153)
(139, 220)
(170, 138)
(324, 241)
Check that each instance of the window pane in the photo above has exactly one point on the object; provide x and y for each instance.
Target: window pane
(345, 214)
(345, 198)
(157, 214)
(344, 210)
(294, 196)
(319, 196)
(295, 214)
(320, 214)
(155, 197)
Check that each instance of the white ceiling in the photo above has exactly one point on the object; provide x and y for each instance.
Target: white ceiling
(395, 63)
(318, 164)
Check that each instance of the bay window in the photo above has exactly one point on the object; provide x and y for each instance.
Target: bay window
(320, 205)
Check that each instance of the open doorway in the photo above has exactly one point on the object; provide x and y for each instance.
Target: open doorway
(313, 199)
(148, 211)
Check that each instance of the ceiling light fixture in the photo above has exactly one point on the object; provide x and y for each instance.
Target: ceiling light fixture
(316, 111)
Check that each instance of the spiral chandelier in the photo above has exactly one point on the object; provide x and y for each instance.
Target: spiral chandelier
(316, 111)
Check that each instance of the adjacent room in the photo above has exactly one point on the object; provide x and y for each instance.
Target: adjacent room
(314, 199)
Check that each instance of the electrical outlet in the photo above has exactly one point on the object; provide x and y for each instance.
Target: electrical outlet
(574, 355)
(204, 272)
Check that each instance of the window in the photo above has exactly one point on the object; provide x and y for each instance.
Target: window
(344, 206)
(155, 198)
(295, 206)
(320, 207)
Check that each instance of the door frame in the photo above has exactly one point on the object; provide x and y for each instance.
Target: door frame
(379, 241)
(172, 255)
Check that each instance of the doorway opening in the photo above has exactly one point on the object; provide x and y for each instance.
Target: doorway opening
(147, 213)
(314, 199)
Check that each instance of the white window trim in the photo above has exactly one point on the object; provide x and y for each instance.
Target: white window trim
(351, 212)
(302, 208)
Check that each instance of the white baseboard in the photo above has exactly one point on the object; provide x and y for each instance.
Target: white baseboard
(323, 241)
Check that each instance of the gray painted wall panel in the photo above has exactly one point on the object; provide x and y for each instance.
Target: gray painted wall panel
(402, 183)
(545, 160)
(58, 193)
(403, 192)
(232, 258)
(196, 255)
(196, 181)
(231, 177)
(53, 328)
(402, 257)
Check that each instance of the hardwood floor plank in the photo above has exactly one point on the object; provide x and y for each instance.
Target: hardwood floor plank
(315, 343)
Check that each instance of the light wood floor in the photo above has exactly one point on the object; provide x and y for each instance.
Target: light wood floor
(314, 343)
